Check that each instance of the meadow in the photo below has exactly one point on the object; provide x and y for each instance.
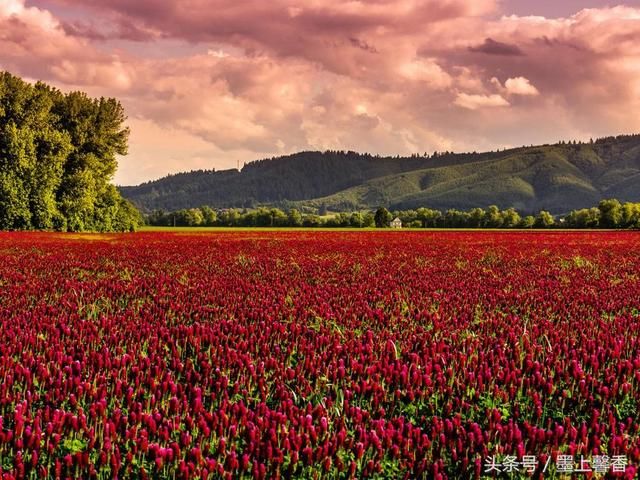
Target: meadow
(319, 354)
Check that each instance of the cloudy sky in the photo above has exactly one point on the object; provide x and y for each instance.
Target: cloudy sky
(208, 83)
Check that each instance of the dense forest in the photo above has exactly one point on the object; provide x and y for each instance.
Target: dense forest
(609, 213)
(57, 158)
(557, 178)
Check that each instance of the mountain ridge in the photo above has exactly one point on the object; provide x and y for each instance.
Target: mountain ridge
(556, 177)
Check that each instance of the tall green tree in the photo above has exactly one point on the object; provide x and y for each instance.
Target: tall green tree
(631, 215)
(58, 155)
(583, 218)
(493, 217)
(382, 217)
(611, 213)
(356, 220)
(510, 218)
(428, 217)
(294, 218)
(528, 222)
(544, 219)
(209, 215)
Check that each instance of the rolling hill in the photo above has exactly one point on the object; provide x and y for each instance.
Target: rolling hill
(556, 177)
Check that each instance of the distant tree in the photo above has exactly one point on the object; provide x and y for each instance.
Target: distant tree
(544, 219)
(311, 221)
(382, 217)
(422, 217)
(189, 217)
(592, 219)
(631, 215)
(583, 218)
(178, 218)
(342, 219)
(476, 217)
(356, 220)
(429, 218)
(528, 221)
(209, 216)
(611, 213)
(294, 218)
(510, 218)
(229, 218)
(493, 217)
(278, 218)
(261, 218)
(368, 220)
(158, 218)
(406, 216)
(454, 218)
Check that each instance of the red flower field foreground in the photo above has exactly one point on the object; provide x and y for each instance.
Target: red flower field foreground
(317, 354)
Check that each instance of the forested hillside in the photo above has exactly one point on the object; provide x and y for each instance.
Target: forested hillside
(302, 176)
(57, 158)
(558, 178)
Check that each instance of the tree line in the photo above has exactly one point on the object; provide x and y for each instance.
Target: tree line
(608, 214)
(57, 159)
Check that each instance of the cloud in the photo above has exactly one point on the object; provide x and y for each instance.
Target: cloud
(250, 79)
(123, 29)
(520, 86)
(219, 53)
(515, 86)
(426, 71)
(363, 45)
(34, 44)
(474, 102)
(339, 36)
(493, 47)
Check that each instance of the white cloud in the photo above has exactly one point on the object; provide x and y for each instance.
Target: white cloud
(219, 53)
(474, 102)
(428, 71)
(11, 7)
(520, 86)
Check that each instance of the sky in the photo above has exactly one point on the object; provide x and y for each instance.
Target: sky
(213, 83)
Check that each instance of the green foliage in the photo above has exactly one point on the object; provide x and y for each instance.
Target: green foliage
(74, 445)
(610, 213)
(209, 216)
(491, 217)
(356, 220)
(14, 203)
(57, 158)
(544, 219)
(511, 218)
(294, 218)
(631, 215)
(583, 218)
(382, 217)
(528, 222)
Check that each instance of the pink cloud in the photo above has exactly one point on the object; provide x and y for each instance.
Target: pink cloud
(519, 86)
(236, 81)
(474, 101)
(33, 43)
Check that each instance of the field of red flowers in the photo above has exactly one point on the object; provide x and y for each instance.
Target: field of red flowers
(317, 354)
